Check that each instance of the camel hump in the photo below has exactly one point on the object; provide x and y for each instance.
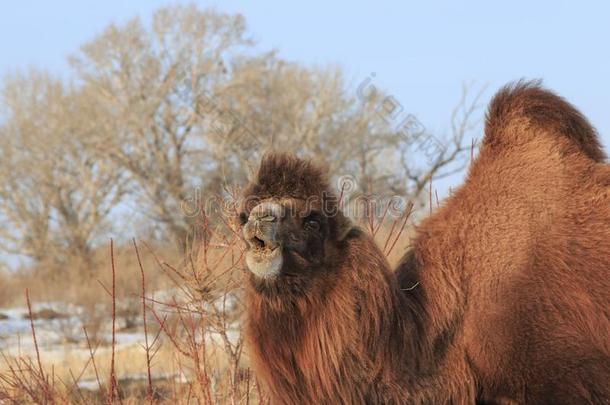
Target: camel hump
(525, 108)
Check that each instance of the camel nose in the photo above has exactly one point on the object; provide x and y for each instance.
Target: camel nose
(265, 212)
(261, 230)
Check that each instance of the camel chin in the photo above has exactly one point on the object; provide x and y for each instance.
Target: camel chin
(264, 263)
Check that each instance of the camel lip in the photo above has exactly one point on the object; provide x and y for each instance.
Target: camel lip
(264, 263)
(263, 250)
(262, 245)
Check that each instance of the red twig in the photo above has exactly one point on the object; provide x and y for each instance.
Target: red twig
(382, 219)
(472, 146)
(168, 333)
(91, 355)
(146, 345)
(112, 383)
(430, 195)
(407, 214)
(27, 299)
(42, 377)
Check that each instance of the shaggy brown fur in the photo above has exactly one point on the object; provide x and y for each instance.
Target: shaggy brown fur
(506, 291)
(514, 269)
(330, 329)
(540, 110)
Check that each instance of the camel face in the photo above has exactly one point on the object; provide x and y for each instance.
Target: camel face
(292, 225)
(264, 254)
(325, 316)
(288, 231)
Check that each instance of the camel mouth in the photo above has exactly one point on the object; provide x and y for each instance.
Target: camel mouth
(264, 259)
(262, 246)
(265, 250)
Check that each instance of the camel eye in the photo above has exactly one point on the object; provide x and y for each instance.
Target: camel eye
(312, 222)
(243, 218)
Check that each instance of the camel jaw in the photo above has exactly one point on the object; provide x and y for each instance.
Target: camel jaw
(265, 263)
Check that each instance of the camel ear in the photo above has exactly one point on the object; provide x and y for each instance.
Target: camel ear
(343, 226)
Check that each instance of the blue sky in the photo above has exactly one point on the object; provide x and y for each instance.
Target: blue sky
(421, 52)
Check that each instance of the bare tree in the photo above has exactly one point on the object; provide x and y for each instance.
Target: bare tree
(270, 103)
(26, 207)
(146, 84)
(189, 102)
(443, 156)
(54, 197)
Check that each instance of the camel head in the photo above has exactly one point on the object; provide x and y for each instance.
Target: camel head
(291, 222)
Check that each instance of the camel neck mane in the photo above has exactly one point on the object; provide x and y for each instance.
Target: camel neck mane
(345, 342)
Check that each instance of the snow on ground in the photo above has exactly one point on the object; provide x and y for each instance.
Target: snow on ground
(16, 341)
(16, 337)
(16, 332)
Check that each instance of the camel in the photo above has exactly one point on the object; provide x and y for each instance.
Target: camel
(513, 271)
(326, 320)
(503, 297)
